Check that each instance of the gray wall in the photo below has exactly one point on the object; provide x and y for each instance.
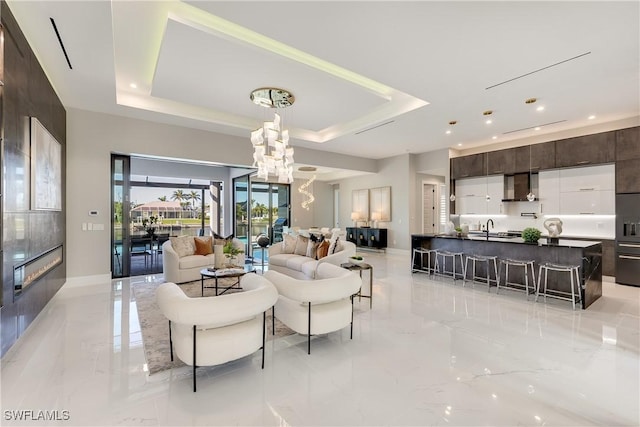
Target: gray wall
(92, 137)
(26, 233)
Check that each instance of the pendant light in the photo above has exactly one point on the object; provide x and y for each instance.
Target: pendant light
(530, 197)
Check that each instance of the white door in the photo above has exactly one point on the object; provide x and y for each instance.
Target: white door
(336, 208)
(429, 208)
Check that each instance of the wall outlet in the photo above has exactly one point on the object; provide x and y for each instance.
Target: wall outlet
(89, 226)
(98, 227)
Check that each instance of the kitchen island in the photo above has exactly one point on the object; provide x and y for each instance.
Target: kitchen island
(586, 254)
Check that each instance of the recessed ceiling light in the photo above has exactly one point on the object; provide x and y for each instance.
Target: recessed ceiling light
(487, 113)
(133, 86)
(536, 128)
(591, 117)
(540, 108)
(489, 122)
(460, 144)
(494, 137)
(307, 169)
(530, 100)
(448, 132)
(453, 122)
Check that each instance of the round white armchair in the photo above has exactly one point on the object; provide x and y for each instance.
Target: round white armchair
(317, 306)
(214, 330)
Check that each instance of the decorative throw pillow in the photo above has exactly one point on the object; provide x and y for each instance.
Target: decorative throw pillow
(203, 245)
(316, 237)
(339, 247)
(332, 243)
(323, 249)
(183, 245)
(312, 247)
(288, 244)
(301, 245)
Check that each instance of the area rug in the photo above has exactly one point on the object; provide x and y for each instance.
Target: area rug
(155, 327)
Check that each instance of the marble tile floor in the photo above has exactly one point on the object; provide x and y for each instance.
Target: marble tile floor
(430, 352)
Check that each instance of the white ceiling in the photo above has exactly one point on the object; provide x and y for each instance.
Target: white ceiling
(352, 66)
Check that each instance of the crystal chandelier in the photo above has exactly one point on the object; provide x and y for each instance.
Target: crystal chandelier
(272, 154)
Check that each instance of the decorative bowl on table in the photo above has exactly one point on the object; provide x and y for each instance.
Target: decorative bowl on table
(356, 259)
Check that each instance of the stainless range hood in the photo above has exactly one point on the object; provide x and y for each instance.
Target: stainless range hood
(516, 187)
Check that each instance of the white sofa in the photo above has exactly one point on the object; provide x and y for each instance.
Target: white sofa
(317, 306)
(178, 269)
(303, 267)
(214, 330)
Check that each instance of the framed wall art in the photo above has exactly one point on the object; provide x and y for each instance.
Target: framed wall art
(46, 169)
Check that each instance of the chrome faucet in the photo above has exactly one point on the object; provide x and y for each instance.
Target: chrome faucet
(487, 227)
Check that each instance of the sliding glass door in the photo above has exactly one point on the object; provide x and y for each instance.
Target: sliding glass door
(120, 208)
(260, 208)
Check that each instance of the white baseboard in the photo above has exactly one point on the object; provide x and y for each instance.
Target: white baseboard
(77, 281)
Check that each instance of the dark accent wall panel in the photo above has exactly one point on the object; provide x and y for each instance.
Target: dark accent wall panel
(26, 233)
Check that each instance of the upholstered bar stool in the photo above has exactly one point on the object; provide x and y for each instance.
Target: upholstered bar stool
(527, 266)
(454, 271)
(421, 252)
(481, 259)
(573, 271)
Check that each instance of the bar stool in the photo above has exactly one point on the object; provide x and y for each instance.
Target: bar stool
(482, 259)
(518, 286)
(454, 271)
(573, 270)
(421, 252)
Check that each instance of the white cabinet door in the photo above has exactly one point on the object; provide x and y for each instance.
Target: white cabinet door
(471, 187)
(467, 205)
(590, 178)
(495, 185)
(588, 203)
(549, 192)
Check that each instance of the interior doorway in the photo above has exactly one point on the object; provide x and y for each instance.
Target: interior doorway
(430, 211)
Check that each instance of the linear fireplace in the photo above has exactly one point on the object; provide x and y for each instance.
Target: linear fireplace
(32, 270)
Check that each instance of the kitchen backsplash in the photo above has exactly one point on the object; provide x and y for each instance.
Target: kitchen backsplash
(596, 226)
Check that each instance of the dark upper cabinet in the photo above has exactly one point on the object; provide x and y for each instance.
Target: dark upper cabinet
(501, 162)
(628, 176)
(467, 166)
(586, 150)
(536, 157)
(628, 144)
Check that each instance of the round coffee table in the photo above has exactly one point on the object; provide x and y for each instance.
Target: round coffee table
(212, 273)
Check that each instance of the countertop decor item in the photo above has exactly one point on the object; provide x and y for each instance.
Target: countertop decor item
(553, 226)
(531, 235)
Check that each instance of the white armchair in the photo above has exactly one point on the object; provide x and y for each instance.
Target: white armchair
(214, 330)
(317, 306)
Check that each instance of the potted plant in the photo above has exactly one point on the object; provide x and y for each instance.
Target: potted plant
(459, 231)
(531, 235)
(231, 252)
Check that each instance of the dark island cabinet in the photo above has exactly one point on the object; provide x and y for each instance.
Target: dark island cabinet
(628, 144)
(536, 157)
(586, 150)
(502, 162)
(468, 166)
(365, 237)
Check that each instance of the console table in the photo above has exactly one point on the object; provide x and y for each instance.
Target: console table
(366, 237)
